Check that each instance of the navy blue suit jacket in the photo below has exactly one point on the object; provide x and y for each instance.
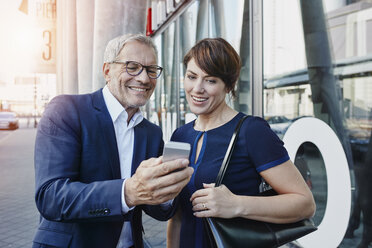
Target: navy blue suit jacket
(77, 171)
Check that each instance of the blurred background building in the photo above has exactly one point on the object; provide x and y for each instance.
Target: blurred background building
(300, 59)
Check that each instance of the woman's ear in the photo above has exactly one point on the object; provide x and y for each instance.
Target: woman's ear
(231, 89)
(106, 72)
(227, 90)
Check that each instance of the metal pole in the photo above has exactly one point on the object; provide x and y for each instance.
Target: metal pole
(256, 51)
(177, 70)
(324, 90)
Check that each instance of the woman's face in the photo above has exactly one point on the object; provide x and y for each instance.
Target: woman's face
(204, 93)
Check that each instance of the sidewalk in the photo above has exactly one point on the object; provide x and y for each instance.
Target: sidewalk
(18, 214)
(155, 232)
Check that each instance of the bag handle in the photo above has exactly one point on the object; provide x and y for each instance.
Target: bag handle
(228, 154)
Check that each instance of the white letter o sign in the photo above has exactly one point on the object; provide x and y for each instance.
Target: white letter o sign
(336, 217)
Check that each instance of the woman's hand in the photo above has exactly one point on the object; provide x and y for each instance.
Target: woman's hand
(214, 201)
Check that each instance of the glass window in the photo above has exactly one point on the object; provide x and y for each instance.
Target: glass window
(284, 48)
(336, 87)
(191, 22)
(310, 163)
(161, 108)
(339, 93)
(236, 32)
(153, 107)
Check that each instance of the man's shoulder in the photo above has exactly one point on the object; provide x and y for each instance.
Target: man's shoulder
(77, 97)
(67, 106)
(67, 112)
(75, 100)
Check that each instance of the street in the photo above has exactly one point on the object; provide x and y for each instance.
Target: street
(18, 213)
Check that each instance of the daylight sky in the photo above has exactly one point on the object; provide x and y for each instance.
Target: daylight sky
(15, 38)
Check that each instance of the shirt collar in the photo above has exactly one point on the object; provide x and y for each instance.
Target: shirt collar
(116, 110)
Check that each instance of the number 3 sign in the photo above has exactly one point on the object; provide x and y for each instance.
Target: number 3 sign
(44, 14)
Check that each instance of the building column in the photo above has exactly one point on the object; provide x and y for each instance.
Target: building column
(84, 28)
(111, 19)
(67, 80)
(325, 93)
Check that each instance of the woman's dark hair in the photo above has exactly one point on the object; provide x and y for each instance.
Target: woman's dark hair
(217, 58)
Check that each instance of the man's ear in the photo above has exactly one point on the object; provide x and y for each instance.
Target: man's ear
(106, 70)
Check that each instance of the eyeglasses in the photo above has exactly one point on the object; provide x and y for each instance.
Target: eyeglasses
(134, 68)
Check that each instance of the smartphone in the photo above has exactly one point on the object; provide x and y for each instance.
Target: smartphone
(174, 150)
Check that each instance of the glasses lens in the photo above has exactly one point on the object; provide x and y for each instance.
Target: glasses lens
(153, 71)
(133, 68)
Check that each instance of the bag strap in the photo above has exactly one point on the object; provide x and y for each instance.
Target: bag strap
(228, 154)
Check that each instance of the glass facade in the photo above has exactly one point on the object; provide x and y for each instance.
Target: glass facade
(297, 85)
(316, 62)
(168, 106)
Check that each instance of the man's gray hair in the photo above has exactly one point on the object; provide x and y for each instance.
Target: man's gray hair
(115, 45)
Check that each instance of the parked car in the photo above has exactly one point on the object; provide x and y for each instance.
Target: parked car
(279, 124)
(359, 140)
(276, 119)
(8, 120)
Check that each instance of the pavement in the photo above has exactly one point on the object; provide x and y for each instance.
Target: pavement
(18, 214)
(19, 217)
(155, 232)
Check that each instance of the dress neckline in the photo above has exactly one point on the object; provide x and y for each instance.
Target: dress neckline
(213, 129)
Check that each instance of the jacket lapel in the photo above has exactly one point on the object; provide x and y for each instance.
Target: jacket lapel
(107, 130)
(140, 143)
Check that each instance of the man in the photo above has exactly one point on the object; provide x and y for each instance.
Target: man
(92, 176)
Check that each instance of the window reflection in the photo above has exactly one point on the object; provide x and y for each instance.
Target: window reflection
(236, 32)
(288, 94)
(284, 54)
(310, 163)
(188, 37)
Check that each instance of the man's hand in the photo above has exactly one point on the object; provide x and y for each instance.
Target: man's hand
(155, 182)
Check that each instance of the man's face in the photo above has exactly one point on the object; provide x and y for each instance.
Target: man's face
(131, 91)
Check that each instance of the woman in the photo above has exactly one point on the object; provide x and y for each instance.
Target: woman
(213, 68)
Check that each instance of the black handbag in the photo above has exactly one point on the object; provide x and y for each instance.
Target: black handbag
(242, 232)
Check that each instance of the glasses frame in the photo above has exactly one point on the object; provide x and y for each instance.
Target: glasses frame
(142, 66)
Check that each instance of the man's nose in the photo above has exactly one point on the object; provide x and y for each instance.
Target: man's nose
(143, 76)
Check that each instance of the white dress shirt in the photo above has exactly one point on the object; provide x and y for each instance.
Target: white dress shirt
(124, 133)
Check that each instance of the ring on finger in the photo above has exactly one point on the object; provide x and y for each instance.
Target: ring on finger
(204, 206)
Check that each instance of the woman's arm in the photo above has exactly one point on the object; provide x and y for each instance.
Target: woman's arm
(293, 202)
(174, 229)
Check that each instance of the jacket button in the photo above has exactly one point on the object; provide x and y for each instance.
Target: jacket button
(106, 211)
